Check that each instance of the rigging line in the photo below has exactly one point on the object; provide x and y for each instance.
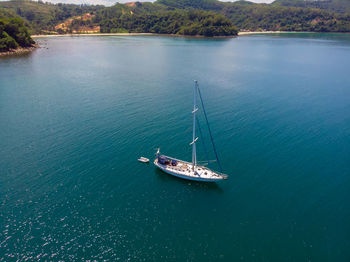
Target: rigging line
(211, 136)
(201, 135)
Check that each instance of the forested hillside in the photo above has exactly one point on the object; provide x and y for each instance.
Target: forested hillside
(13, 32)
(43, 17)
(341, 6)
(187, 17)
(274, 18)
(191, 22)
(251, 17)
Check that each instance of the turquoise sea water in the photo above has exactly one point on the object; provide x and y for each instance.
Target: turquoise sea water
(77, 113)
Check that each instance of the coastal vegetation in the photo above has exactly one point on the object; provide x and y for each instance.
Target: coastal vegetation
(13, 33)
(248, 16)
(160, 16)
(41, 18)
(46, 18)
(341, 6)
(194, 22)
(209, 18)
(252, 17)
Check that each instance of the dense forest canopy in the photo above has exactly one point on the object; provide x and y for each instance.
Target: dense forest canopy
(276, 17)
(244, 15)
(186, 17)
(194, 22)
(13, 32)
(212, 5)
(141, 17)
(273, 18)
(41, 17)
(341, 6)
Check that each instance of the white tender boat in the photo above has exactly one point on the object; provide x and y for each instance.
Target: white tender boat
(187, 170)
(143, 159)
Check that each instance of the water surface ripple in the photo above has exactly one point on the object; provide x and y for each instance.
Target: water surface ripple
(77, 113)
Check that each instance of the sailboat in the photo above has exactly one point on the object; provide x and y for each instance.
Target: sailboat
(191, 170)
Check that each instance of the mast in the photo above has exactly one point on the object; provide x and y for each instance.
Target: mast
(194, 139)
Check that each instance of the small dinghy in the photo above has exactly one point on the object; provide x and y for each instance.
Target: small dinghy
(143, 159)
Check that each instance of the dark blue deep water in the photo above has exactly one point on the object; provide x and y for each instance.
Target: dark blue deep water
(77, 113)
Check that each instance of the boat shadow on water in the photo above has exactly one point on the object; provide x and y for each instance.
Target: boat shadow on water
(196, 184)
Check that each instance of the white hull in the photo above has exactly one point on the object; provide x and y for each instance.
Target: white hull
(143, 160)
(184, 170)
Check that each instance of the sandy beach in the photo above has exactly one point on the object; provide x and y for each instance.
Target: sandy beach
(94, 34)
(137, 34)
(271, 32)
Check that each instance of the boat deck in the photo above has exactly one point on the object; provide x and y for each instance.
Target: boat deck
(185, 170)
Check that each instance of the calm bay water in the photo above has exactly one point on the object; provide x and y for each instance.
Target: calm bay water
(77, 113)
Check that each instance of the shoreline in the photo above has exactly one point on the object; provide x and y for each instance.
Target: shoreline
(129, 34)
(244, 33)
(19, 51)
(24, 50)
(154, 34)
(286, 32)
(94, 34)
(273, 32)
(172, 35)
